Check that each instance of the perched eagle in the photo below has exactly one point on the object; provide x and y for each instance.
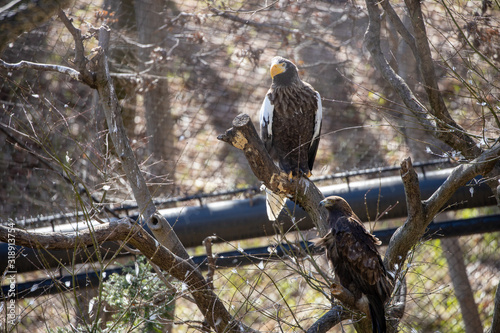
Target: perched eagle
(290, 126)
(352, 251)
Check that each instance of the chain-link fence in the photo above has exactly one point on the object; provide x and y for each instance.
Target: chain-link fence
(184, 69)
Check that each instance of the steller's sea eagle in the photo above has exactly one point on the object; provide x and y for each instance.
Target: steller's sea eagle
(290, 126)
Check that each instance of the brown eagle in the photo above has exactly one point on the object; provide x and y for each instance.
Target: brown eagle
(358, 267)
(290, 126)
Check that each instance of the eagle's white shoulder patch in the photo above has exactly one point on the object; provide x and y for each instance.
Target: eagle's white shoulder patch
(319, 116)
(266, 115)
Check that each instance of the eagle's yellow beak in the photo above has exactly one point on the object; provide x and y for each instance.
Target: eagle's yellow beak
(324, 203)
(277, 69)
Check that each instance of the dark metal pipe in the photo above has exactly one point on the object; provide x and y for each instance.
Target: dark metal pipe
(58, 285)
(242, 219)
(455, 228)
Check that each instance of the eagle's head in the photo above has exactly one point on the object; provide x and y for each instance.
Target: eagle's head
(283, 72)
(335, 203)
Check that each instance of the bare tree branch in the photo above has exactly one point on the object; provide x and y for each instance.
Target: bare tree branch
(452, 134)
(42, 67)
(495, 325)
(421, 213)
(112, 110)
(461, 285)
(459, 177)
(113, 231)
(445, 129)
(419, 218)
(372, 42)
(400, 27)
(207, 242)
(412, 191)
(415, 223)
(397, 310)
(333, 317)
(438, 119)
(80, 59)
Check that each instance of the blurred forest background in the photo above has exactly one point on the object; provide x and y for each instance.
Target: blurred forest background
(184, 69)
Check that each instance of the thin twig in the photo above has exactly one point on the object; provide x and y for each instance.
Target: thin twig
(80, 60)
(207, 242)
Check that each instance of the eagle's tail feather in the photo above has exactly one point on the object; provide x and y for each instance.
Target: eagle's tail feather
(274, 204)
(377, 314)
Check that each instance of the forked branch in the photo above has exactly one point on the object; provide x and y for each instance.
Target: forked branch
(435, 119)
(421, 213)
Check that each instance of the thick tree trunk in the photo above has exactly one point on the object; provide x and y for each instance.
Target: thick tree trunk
(159, 122)
(495, 325)
(461, 285)
(126, 90)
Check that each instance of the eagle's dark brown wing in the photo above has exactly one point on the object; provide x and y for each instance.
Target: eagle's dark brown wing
(358, 259)
(359, 267)
(296, 124)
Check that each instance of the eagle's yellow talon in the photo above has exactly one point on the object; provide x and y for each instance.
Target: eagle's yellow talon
(335, 289)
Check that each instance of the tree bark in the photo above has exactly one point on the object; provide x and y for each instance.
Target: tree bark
(159, 122)
(495, 325)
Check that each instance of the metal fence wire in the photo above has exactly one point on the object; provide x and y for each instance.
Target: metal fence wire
(184, 69)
